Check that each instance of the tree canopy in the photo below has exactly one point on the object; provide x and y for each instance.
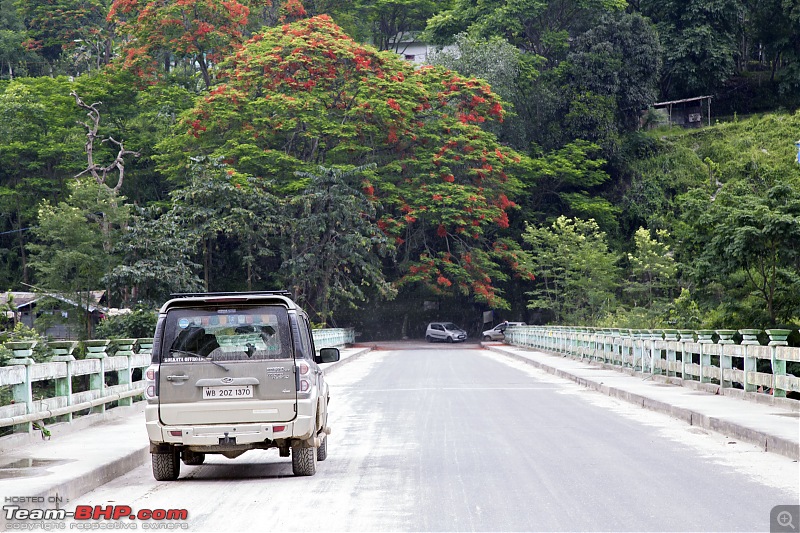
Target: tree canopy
(305, 94)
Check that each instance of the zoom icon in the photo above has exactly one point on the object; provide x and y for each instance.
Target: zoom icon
(784, 519)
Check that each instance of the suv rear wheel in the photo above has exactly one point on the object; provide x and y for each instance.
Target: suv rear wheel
(166, 466)
(304, 461)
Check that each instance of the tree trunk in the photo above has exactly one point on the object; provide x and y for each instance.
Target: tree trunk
(250, 273)
(22, 255)
(206, 262)
(204, 71)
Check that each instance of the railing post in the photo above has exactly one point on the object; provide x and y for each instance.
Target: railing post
(626, 335)
(671, 335)
(704, 336)
(637, 341)
(23, 392)
(686, 336)
(63, 354)
(144, 345)
(725, 361)
(97, 350)
(618, 341)
(125, 376)
(749, 338)
(608, 345)
(655, 336)
(777, 337)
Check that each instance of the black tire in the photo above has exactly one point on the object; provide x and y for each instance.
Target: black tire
(193, 458)
(486, 338)
(322, 451)
(428, 338)
(449, 340)
(166, 466)
(304, 461)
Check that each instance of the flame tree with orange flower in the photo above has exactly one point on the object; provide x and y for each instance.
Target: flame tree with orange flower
(305, 94)
(158, 32)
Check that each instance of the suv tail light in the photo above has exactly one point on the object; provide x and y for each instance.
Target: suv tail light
(304, 381)
(151, 383)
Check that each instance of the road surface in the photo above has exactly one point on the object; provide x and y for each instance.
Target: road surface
(449, 437)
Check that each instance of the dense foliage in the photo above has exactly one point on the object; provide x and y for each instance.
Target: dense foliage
(273, 149)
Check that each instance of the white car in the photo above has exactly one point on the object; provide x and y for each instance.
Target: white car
(497, 333)
(444, 331)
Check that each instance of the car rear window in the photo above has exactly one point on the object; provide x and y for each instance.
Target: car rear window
(226, 334)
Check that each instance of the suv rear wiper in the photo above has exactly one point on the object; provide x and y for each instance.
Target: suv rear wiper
(203, 357)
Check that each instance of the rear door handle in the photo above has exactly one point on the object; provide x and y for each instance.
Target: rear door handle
(177, 378)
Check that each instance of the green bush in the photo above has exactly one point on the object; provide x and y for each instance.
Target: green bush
(21, 332)
(138, 323)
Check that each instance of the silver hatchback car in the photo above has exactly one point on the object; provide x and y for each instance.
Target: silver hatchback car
(444, 331)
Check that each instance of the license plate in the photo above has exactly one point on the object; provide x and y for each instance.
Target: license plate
(227, 392)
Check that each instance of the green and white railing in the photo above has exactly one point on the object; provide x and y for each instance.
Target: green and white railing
(703, 356)
(332, 337)
(32, 392)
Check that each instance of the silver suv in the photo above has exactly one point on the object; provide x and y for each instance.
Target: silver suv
(233, 372)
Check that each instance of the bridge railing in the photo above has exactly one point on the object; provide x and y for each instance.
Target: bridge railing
(704, 356)
(32, 392)
(331, 337)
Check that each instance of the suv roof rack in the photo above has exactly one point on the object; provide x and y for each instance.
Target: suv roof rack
(283, 292)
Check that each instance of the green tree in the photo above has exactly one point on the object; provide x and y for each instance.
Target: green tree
(620, 58)
(752, 246)
(40, 146)
(61, 27)
(652, 269)
(567, 183)
(773, 37)
(219, 209)
(699, 43)
(383, 21)
(70, 256)
(540, 28)
(13, 54)
(333, 244)
(157, 252)
(576, 274)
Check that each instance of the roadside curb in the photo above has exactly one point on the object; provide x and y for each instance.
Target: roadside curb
(78, 486)
(355, 355)
(768, 442)
(71, 487)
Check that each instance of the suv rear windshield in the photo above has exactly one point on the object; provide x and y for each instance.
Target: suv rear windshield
(226, 334)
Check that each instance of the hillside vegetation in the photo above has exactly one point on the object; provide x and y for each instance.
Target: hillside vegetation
(150, 147)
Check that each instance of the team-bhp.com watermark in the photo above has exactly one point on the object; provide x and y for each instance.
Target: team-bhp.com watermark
(88, 517)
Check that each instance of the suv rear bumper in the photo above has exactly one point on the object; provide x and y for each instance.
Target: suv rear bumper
(302, 427)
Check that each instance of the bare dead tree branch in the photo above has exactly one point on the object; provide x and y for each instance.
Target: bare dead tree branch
(99, 172)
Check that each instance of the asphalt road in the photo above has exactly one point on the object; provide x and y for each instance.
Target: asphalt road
(456, 438)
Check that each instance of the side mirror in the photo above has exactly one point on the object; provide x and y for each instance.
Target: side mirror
(327, 355)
